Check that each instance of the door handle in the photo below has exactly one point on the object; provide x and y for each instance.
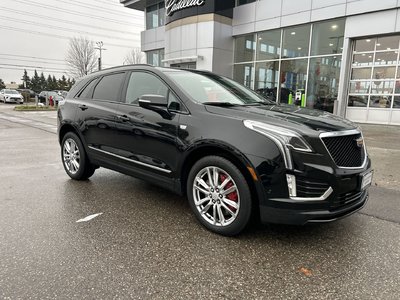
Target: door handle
(83, 107)
(123, 118)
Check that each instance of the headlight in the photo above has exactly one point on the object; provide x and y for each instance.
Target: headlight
(285, 139)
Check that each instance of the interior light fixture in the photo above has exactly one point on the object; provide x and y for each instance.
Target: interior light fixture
(298, 48)
(334, 26)
(368, 41)
(330, 45)
(388, 48)
(378, 44)
(363, 54)
(293, 33)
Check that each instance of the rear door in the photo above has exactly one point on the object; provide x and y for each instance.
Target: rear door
(96, 113)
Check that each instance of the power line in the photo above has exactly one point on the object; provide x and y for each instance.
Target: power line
(65, 29)
(72, 12)
(35, 57)
(55, 35)
(64, 21)
(33, 61)
(99, 8)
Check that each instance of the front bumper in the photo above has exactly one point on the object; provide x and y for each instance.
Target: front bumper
(325, 193)
(303, 216)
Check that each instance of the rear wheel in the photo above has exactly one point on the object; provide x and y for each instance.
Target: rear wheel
(219, 195)
(74, 158)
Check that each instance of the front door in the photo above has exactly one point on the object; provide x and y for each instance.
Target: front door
(147, 140)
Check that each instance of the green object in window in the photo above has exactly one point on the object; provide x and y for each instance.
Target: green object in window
(303, 100)
(290, 101)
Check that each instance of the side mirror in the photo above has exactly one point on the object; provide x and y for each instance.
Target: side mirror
(147, 101)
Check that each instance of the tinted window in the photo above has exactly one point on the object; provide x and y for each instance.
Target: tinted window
(141, 83)
(109, 87)
(88, 90)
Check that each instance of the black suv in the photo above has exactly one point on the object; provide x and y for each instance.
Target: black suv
(233, 153)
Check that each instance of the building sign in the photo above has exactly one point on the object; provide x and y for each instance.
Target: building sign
(172, 6)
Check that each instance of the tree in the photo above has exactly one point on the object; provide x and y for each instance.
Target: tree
(2, 84)
(42, 83)
(26, 81)
(35, 83)
(135, 56)
(81, 57)
(62, 83)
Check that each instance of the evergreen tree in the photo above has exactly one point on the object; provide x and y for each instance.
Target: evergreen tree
(42, 82)
(55, 83)
(49, 83)
(36, 83)
(62, 83)
(26, 81)
(2, 85)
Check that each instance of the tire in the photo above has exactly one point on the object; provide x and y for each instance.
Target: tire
(75, 161)
(224, 208)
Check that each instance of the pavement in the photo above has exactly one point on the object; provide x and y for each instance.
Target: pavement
(146, 244)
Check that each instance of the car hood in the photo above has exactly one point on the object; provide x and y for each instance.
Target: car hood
(300, 119)
(13, 95)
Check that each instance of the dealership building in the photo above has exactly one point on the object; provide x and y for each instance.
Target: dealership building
(341, 56)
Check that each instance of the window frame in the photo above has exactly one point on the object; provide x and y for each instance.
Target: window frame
(184, 110)
(119, 97)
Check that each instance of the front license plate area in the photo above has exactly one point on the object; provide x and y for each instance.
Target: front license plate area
(366, 180)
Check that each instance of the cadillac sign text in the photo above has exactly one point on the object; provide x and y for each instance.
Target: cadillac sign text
(172, 6)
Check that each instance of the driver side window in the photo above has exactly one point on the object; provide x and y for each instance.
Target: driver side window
(140, 84)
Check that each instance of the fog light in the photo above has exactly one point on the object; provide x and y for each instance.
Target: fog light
(291, 183)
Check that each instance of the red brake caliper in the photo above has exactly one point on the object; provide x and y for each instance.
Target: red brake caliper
(231, 196)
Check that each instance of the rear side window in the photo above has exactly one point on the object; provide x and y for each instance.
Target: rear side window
(141, 83)
(109, 87)
(87, 92)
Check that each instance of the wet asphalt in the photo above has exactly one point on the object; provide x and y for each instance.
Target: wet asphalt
(148, 245)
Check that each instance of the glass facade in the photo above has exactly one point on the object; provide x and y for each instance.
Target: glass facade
(296, 65)
(155, 57)
(155, 15)
(374, 79)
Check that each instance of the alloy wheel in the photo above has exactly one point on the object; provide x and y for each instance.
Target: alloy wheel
(216, 196)
(71, 156)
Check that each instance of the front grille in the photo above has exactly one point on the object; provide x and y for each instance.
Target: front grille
(310, 187)
(344, 150)
(346, 199)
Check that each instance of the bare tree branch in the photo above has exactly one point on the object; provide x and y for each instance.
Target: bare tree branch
(135, 56)
(81, 57)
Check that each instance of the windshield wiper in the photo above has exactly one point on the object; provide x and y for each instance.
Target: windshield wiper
(260, 103)
(223, 104)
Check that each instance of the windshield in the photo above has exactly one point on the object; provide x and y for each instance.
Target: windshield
(210, 88)
(11, 92)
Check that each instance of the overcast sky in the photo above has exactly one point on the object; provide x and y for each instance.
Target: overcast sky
(34, 34)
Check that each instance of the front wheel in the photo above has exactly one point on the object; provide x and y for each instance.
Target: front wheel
(219, 195)
(74, 158)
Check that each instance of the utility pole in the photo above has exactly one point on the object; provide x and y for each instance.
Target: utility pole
(100, 48)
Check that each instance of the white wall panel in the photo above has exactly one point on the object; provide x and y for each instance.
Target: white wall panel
(329, 12)
(290, 7)
(299, 18)
(268, 9)
(246, 14)
(370, 24)
(189, 37)
(362, 6)
(326, 3)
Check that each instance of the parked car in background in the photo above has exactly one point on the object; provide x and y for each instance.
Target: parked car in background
(233, 153)
(55, 97)
(11, 96)
(31, 93)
